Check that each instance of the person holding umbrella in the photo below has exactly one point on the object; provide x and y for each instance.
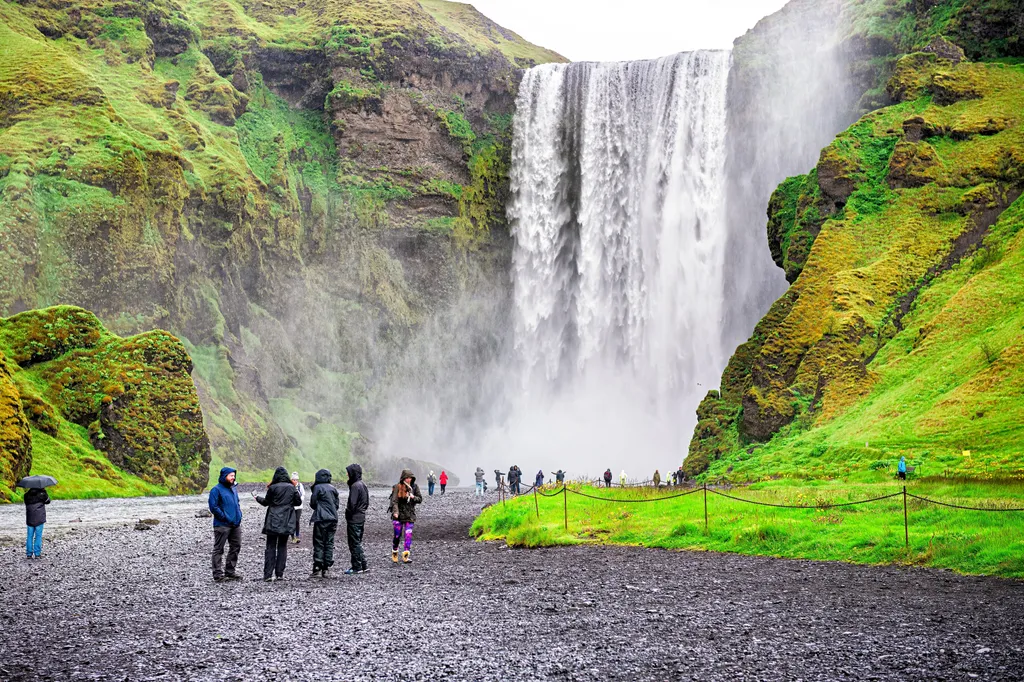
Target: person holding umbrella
(36, 499)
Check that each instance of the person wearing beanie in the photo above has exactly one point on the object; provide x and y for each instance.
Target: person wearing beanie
(297, 533)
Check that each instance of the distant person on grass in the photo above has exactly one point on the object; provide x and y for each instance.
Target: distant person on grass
(539, 480)
(657, 479)
(559, 476)
(405, 495)
(36, 500)
(431, 478)
(607, 478)
(323, 500)
(297, 533)
(355, 517)
(901, 469)
(622, 478)
(280, 500)
(443, 480)
(227, 525)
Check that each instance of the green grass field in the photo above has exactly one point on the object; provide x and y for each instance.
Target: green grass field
(970, 542)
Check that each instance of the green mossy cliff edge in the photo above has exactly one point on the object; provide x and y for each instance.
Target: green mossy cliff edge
(80, 403)
(901, 332)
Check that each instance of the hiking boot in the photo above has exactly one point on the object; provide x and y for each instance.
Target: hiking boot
(364, 569)
(316, 573)
(351, 571)
(219, 579)
(323, 573)
(405, 558)
(232, 576)
(394, 556)
(269, 580)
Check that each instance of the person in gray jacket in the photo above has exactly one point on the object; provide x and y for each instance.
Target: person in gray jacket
(323, 500)
(479, 474)
(355, 517)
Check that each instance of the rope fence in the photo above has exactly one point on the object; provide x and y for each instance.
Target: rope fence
(564, 491)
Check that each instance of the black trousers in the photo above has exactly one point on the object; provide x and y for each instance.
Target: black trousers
(233, 538)
(297, 532)
(323, 544)
(276, 555)
(355, 546)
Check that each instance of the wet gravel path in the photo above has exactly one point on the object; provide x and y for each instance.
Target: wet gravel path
(108, 602)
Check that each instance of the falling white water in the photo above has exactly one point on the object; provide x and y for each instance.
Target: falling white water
(618, 216)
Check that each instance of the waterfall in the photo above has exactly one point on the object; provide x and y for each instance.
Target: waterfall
(618, 215)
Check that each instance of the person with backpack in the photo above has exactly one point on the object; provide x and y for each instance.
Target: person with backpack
(431, 478)
(280, 500)
(405, 495)
(443, 481)
(607, 478)
(36, 500)
(323, 500)
(355, 517)
(227, 525)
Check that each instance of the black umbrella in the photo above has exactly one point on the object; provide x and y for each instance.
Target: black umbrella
(37, 482)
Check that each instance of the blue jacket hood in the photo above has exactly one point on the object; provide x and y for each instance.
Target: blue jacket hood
(224, 475)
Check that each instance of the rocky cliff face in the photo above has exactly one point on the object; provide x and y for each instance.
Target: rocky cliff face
(907, 218)
(292, 188)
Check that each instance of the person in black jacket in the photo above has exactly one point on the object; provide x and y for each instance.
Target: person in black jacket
(355, 517)
(279, 523)
(36, 500)
(324, 502)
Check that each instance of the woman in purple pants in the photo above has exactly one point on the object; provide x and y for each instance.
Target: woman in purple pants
(405, 495)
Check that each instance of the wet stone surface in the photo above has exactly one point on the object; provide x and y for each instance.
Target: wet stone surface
(108, 602)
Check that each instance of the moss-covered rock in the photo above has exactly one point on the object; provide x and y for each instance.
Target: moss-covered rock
(134, 396)
(15, 437)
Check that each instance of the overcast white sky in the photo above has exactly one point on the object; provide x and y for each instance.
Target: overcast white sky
(600, 30)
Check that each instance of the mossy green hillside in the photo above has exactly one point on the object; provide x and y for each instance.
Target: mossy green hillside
(971, 542)
(901, 331)
(122, 410)
(199, 166)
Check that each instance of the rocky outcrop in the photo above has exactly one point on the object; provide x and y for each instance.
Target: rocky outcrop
(134, 396)
(15, 437)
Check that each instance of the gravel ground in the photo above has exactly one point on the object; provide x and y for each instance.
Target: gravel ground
(108, 602)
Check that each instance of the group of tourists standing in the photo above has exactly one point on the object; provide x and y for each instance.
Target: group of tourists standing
(284, 500)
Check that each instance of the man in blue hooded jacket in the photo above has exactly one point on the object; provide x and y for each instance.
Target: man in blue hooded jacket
(227, 525)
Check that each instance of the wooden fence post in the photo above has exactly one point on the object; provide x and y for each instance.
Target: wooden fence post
(906, 521)
(565, 507)
(705, 507)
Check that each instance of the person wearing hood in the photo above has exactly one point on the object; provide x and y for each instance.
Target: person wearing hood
(405, 495)
(355, 517)
(901, 469)
(607, 478)
(539, 480)
(443, 480)
(227, 525)
(280, 500)
(479, 475)
(559, 476)
(430, 483)
(622, 478)
(657, 479)
(36, 500)
(497, 479)
(297, 533)
(323, 500)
